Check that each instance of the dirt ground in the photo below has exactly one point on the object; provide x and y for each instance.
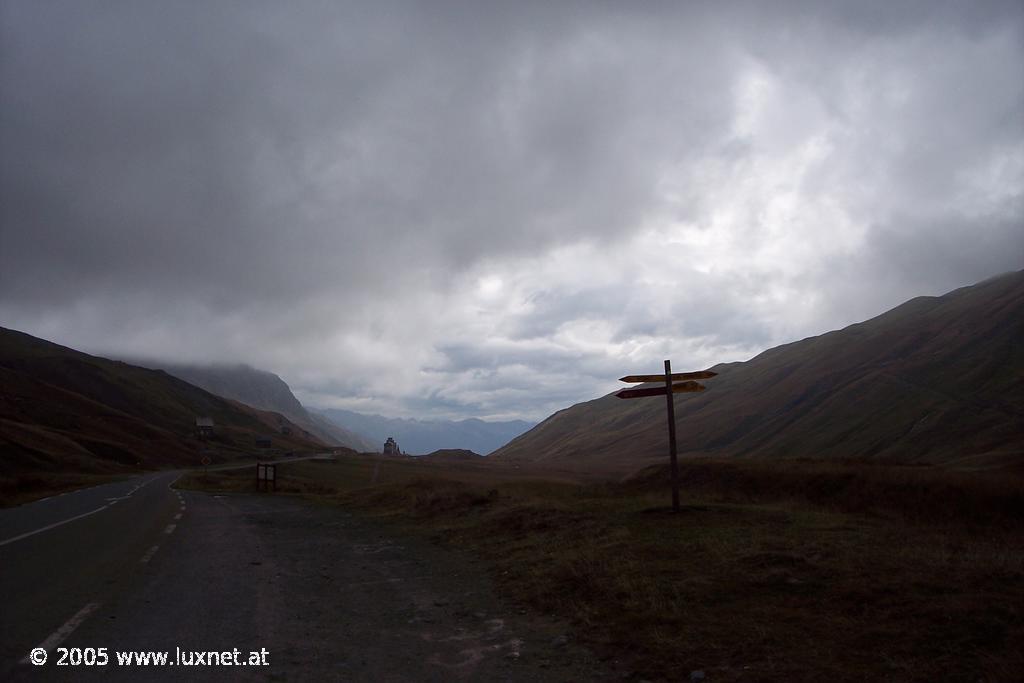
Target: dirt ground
(332, 595)
(358, 602)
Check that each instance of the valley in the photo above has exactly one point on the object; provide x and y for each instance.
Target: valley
(318, 322)
(852, 507)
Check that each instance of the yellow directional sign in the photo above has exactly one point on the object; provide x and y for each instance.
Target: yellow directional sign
(680, 388)
(667, 389)
(702, 374)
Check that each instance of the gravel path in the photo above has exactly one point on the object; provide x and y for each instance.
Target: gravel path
(332, 596)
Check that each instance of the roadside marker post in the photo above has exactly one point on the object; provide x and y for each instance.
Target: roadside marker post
(678, 383)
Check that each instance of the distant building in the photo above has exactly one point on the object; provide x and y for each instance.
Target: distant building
(204, 427)
(286, 430)
(262, 442)
(391, 448)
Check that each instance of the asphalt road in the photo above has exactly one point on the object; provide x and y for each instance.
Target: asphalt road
(61, 554)
(313, 591)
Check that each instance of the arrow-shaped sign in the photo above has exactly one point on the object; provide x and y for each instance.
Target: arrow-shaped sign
(702, 374)
(680, 388)
(667, 389)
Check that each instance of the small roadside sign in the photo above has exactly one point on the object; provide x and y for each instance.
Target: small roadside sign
(266, 476)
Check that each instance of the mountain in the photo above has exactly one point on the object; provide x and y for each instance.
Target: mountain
(263, 390)
(342, 436)
(425, 436)
(66, 411)
(935, 380)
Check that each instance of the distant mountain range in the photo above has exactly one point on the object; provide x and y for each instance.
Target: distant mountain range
(418, 437)
(66, 411)
(266, 391)
(935, 380)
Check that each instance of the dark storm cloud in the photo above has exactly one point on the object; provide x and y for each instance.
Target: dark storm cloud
(347, 191)
(232, 151)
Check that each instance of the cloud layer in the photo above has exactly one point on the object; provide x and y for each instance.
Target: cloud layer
(454, 210)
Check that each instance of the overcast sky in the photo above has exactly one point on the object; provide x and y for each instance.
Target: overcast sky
(492, 209)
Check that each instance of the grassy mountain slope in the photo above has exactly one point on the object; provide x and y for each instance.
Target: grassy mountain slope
(937, 380)
(65, 411)
(336, 434)
(265, 391)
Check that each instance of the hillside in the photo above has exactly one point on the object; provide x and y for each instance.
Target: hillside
(425, 436)
(265, 391)
(935, 380)
(454, 455)
(336, 434)
(63, 411)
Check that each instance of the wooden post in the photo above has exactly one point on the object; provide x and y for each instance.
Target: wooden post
(670, 399)
(685, 385)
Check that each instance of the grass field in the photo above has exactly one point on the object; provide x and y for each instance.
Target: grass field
(773, 571)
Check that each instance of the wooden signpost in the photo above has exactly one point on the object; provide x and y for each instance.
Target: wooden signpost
(678, 383)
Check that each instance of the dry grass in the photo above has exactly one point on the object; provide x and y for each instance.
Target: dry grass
(794, 571)
(915, 493)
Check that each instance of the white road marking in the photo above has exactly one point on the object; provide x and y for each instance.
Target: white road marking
(58, 636)
(52, 526)
(177, 516)
(72, 519)
(170, 528)
(150, 553)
